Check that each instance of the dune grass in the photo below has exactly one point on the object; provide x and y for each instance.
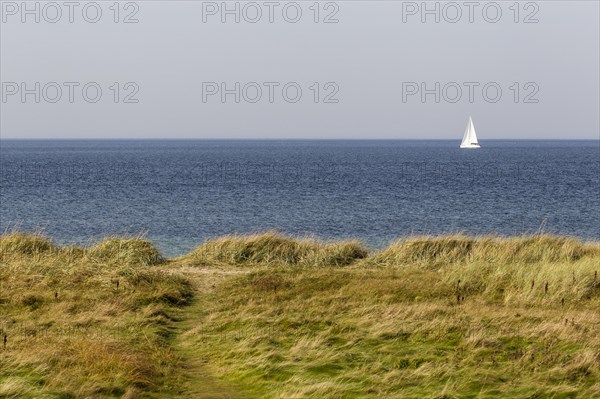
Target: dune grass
(439, 251)
(85, 322)
(394, 333)
(514, 269)
(275, 250)
(283, 317)
(427, 317)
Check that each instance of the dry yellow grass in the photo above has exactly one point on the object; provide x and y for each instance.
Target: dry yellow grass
(435, 251)
(84, 322)
(427, 317)
(274, 249)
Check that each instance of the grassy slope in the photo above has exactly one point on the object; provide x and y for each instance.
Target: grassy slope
(427, 317)
(86, 323)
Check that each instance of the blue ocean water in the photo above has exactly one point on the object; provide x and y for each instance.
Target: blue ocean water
(180, 193)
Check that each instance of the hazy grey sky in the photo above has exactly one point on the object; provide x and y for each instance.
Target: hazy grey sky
(379, 57)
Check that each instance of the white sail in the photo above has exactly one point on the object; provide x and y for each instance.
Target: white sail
(470, 137)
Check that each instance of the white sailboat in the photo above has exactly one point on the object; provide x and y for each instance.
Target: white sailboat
(470, 138)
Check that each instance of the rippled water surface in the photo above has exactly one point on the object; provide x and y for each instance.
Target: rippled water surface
(182, 192)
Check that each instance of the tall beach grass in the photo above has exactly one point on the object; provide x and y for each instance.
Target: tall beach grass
(283, 317)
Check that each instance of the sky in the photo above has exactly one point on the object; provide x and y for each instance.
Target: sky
(299, 70)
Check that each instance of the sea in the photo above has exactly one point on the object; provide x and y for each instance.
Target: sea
(181, 193)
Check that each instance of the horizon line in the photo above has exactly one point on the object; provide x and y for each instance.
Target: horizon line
(280, 139)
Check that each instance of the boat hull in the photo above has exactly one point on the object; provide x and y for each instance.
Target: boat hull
(470, 146)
